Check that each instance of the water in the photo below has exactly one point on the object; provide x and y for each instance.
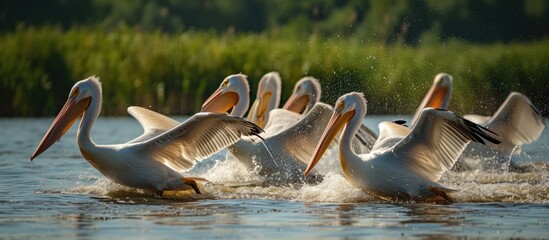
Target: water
(59, 195)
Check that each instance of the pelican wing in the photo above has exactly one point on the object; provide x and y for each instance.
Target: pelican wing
(436, 141)
(389, 134)
(517, 121)
(197, 138)
(300, 139)
(153, 123)
(281, 119)
(478, 119)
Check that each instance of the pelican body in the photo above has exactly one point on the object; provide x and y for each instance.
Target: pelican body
(156, 159)
(283, 154)
(404, 164)
(517, 122)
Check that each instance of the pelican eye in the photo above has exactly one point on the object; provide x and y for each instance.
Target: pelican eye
(225, 83)
(75, 92)
(340, 106)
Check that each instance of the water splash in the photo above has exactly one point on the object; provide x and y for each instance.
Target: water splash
(230, 179)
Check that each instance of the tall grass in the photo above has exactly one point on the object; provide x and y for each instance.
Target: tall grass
(174, 74)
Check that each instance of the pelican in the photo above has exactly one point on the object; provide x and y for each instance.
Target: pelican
(268, 98)
(153, 161)
(404, 164)
(517, 122)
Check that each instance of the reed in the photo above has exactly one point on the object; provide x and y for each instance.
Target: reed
(174, 74)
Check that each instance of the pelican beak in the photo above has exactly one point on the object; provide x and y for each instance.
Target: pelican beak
(260, 110)
(64, 120)
(220, 102)
(439, 97)
(296, 103)
(252, 114)
(336, 123)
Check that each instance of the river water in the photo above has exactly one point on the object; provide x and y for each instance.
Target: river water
(59, 195)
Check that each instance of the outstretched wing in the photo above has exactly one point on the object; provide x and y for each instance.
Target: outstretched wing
(281, 119)
(436, 141)
(300, 139)
(517, 121)
(390, 133)
(197, 138)
(153, 123)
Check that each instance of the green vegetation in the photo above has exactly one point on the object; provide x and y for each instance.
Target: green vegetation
(170, 55)
(383, 21)
(174, 73)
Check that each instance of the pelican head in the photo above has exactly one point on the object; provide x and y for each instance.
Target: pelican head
(306, 93)
(79, 100)
(232, 93)
(350, 107)
(268, 98)
(438, 96)
(440, 92)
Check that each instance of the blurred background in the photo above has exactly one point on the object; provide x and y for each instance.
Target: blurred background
(169, 55)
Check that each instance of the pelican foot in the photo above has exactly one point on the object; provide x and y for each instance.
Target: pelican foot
(193, 184)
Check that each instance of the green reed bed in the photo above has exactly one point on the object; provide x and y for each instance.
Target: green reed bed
(174, 74)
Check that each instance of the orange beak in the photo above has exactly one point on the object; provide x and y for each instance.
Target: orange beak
(252, 114)
(334, 126)
(263, 104)
(220, 102)
(439, 97)
(259, 109)
(296, 103)
(64, 120)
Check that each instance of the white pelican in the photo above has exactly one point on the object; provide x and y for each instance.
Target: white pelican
(517, 122)
(267, 99)
(404, 164)
(154, 160)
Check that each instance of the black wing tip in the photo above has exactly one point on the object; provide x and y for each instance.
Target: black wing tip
(478, 133)
(535, 109)
(254, 129)
(400, 122)
(537, 114)
(481, 132)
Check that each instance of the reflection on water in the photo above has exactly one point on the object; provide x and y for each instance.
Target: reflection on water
(60, 195)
